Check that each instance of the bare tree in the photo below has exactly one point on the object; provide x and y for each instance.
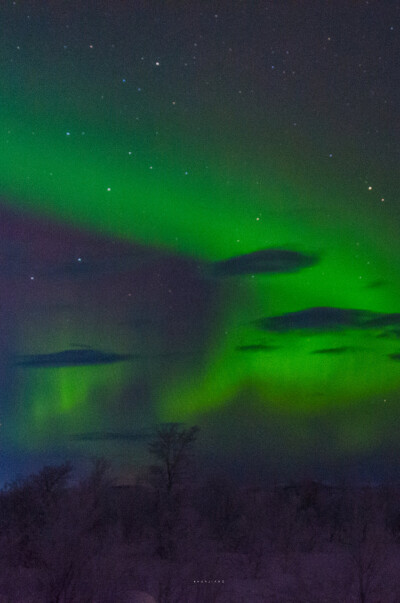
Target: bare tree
(172, 446)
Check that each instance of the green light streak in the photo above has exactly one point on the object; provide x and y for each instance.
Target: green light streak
(55, 403)
(58, 403)
(210, 214)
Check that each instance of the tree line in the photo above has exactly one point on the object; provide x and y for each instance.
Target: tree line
(173, 538)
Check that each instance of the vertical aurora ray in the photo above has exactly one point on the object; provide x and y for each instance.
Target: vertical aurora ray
(59, 402)
(55, 402)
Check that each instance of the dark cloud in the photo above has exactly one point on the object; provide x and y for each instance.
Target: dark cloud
(257, 347)
(87, 356)
(385, 320)
(376, 284)
(340, 350)
(265, 261)
(80, 357)
(95, 436)
(327, 319)
(317, 319)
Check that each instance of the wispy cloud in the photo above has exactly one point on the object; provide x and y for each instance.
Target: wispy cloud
(322, 319)
(256, 347)
(264, 261)
(80, 357)
(339, 350)
(376, 284)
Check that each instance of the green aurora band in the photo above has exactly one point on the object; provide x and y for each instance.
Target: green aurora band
(219, 210)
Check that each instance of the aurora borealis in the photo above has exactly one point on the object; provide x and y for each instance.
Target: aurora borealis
(199, 223)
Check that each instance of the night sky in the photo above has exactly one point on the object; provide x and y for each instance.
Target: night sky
(199, 222)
